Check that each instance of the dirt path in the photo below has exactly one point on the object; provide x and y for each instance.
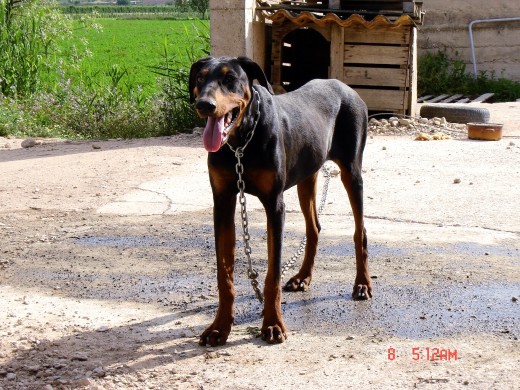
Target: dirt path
(107, 272)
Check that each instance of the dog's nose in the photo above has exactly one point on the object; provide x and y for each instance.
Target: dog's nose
(206, 106)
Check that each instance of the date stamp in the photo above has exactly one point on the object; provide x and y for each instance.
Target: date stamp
(424, 353)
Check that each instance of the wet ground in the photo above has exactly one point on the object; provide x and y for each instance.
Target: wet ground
(462, 288)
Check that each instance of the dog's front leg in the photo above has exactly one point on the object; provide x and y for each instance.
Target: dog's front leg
(224, 222)
(273, 328)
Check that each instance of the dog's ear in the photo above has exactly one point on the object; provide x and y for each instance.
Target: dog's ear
(195, 68)
(254, 72)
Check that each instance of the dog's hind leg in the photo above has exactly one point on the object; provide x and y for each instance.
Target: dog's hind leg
(307, 197)
(353, 182)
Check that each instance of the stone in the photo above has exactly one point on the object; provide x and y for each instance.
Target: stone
(28, 143)
(83, 382)
(80, 356)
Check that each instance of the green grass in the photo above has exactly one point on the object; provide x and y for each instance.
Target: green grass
(134, 45)
(114, 93)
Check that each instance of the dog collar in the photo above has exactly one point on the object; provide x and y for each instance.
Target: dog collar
(249, 135)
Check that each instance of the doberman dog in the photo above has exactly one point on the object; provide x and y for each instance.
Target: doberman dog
(288, 138)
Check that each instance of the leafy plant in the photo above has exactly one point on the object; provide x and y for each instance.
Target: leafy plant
(176, 109)
(107, 101)
(29, 30)
(439, 74)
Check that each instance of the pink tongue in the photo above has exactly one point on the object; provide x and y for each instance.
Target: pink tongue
(213, 133)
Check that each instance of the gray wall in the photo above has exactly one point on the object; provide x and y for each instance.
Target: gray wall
(497, 45)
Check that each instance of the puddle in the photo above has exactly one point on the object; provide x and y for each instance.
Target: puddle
(412, 312)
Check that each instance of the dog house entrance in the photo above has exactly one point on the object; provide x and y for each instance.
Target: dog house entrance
(305, 56)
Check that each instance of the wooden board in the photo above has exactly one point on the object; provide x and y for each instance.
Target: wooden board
(422, 99)
(336, 52)
(452, 98)
(400, 36)
(411, 85)
(381, 55)
(372, 76)
(483, 98)
(384, 100)
(437, 99)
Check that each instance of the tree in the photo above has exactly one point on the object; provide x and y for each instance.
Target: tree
(200, 6)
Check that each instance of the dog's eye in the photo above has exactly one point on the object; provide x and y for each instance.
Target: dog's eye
(201, 79)
(229, 79)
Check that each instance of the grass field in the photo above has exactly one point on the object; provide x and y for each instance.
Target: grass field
(135, 45)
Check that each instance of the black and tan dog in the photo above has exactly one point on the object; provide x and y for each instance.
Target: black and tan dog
(294, 134)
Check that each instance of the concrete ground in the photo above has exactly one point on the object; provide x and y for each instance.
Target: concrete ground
(108, 276)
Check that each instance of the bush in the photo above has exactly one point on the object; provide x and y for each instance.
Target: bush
(439, 74)
(29, 30)
(49, 104)
(177, 113)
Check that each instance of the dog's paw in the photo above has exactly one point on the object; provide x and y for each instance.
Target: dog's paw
(362, 292)
(213, 337)
(274, 334)
(297, 284)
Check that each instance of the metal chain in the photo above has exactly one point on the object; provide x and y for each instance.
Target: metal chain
(252, 274)
(301, 249)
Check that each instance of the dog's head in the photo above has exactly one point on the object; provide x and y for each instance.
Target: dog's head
(221, 89)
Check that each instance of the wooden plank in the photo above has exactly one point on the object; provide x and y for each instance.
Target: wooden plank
(465, 100)
(422, 99)
(384, 77)
(412, 75)
(482, 98)
(336, 53)
(381, 55)
(451, 98)
(384, 100)
(399, 36)
(437, 99)
(324, 31)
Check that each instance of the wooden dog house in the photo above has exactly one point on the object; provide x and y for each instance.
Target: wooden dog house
(369, 45)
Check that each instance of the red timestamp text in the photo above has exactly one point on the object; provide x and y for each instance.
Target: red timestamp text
(426, 353)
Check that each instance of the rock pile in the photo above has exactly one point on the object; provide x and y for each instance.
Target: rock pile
(417, 127)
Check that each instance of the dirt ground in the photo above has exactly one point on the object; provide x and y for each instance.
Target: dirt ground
(107, 271)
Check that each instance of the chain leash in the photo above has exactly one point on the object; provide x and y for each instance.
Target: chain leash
(327, 174)
(252, 274)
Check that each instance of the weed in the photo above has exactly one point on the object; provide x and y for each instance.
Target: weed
(176, 110)
(440, 74)
(29, 31)
(106, 101)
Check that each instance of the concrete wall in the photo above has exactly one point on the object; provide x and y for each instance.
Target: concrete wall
(497, 45)
(234, 32)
